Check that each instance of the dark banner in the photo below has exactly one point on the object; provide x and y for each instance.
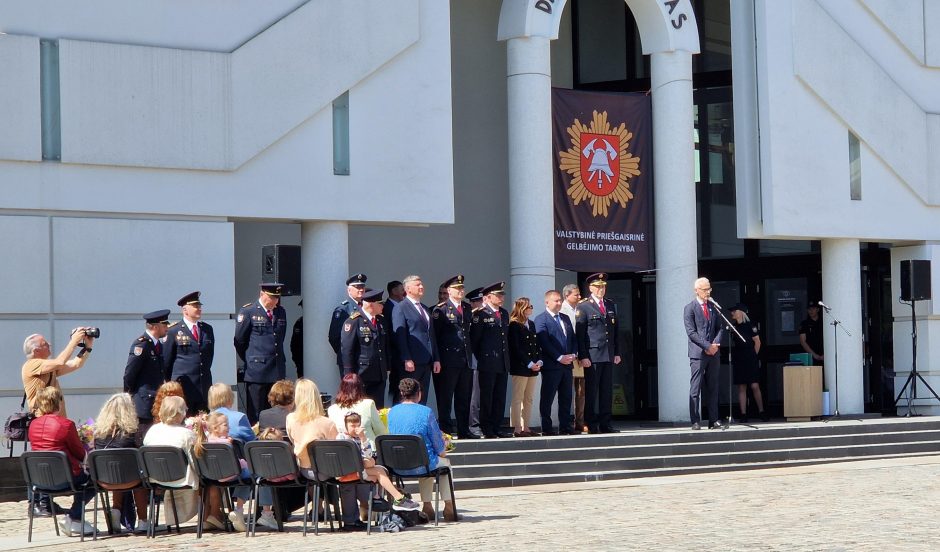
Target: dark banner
(603, 155)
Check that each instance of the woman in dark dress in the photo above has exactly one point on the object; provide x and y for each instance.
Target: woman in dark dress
(524, 365)
(116, 427)
(744, 361)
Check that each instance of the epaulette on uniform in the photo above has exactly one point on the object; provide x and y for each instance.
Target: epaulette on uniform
(583, 300)
(174, 324)
(346, 302)
(356, 314)
(441, 304)
(142, 338)
(246, 305)
(478, 309)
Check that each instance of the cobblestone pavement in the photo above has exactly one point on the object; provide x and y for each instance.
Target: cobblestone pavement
(867, 505)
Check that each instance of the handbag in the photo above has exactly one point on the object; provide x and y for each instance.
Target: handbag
(16, 427)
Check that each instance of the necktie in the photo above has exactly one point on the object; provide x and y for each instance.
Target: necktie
(270, 315)
(196, 332)
(600, 304)
(705, 310)
(158, 347)
(498, 317)
(460, 310)
(560, 323)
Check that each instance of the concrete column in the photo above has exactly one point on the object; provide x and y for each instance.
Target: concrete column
(531, 212)
(842, 292)
(324, 269)
(676, 253)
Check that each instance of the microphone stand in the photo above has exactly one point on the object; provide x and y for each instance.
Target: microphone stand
(731, 327)
(835, 323)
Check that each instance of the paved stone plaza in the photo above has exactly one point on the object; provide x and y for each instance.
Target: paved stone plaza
(867, 505)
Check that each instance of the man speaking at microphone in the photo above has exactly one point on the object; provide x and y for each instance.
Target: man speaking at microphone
(704, 328)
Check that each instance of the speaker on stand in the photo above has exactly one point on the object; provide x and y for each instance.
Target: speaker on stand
(281, 263)
(915, 286)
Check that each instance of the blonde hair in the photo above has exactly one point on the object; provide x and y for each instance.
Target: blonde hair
(168, 389)
(214, 420)
(49, 401)
(518, 310)
(220, 394)
(117, 417)
(307, 402)
(173, 410)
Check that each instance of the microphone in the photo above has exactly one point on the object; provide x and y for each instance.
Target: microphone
(712, 299)
(823, 305)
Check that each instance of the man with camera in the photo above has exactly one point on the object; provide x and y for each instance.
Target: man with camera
(41, 370)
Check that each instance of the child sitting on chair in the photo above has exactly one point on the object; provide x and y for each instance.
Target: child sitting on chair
(371, 472)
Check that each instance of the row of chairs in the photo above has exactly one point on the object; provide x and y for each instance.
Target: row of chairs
(270, 462)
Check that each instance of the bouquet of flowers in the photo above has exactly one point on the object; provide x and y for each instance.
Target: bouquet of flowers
(191, 422)
(86, 432)
(383, 415)
(448, 442)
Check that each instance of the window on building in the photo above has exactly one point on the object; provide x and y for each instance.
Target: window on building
(341, 134)
(855, 168)
(50, 117)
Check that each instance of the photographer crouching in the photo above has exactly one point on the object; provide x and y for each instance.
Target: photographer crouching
(41, 370)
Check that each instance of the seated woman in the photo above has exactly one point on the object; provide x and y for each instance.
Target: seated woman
(222, 399)
(281, 398)
(308, 423)
(116, 427)
(168, 389)
(171, 432)
(52, 431)
(409, 417)
(351, 397)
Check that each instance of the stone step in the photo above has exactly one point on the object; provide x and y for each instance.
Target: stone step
(573, 477)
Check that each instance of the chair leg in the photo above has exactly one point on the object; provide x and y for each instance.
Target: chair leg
(94, 517)
(156, 518)
(453, 493)
(200, 511)
(254, 508)
(278, 513)
(437, 498)
(29, 535)
(369, 518)
(82, 519)
(151, 505)
(306, 503)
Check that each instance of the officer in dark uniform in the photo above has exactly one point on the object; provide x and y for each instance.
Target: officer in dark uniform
(453, 385)
(144, 374)
(596, 325)
(489, 325)
(188, 353)
(355, 286)
(260, 329)
(297, 344)
(364, 346)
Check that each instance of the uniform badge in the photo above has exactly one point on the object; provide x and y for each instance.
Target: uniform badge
(241, 317)
(337, 314)
(138, 350)
(437, 314)
(347, 327)
(366, 339)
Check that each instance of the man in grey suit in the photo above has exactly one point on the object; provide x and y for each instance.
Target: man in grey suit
(704, 328)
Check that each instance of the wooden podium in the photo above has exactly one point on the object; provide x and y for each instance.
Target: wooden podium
(802, 392)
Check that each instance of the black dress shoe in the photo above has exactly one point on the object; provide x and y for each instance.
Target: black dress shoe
(717, 425)
(594, 431)
(504, 435)
(550, 433)
(490, 436)
(353, 526)
(470, 436)
(568, 431)
(696, 426)
(764, 416)
(609, 430)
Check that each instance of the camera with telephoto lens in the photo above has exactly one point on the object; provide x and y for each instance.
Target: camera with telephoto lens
(93, 332)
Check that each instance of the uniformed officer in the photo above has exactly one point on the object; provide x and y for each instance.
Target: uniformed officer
(453, 385)
(364, 346)
(144, 374)
(489, 325)
(596, 327)
(475, 297)
(355, 286)
(260, 329)
(297, 343)
(188, 353)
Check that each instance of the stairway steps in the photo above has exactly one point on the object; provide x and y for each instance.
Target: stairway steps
(670, 451)
(544, 479)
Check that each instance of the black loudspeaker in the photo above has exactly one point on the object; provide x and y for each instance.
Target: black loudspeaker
(915, 280)
(281, 263)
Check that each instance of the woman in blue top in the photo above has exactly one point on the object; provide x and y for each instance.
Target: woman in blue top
(409, 417)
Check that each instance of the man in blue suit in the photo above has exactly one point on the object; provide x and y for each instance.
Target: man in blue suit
(414, 335)
(260, 329)
(188, 353)
(559, 351)
(703, 326)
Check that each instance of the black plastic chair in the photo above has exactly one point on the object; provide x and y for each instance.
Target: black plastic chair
(112, 470)
(270, 460)
(162, 464)
(218, 467)
(49, 472)
(334, 459)
(399, 453)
